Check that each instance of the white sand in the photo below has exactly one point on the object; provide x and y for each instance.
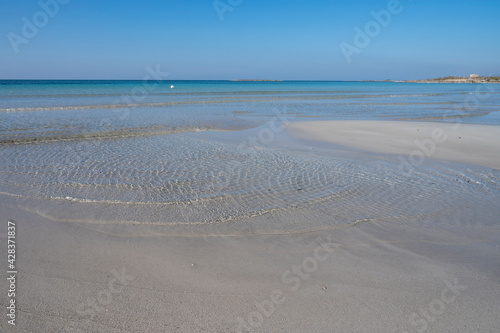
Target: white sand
(374, 280)
(465, 143)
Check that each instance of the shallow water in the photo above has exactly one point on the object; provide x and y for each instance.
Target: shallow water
(71, 153)
(55, 110)
(196, 184)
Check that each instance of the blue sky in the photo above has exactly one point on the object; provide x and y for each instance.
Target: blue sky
(258, 39)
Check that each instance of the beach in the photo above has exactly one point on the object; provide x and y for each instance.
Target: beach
(376, 279)
(309, 207)
(457, 142)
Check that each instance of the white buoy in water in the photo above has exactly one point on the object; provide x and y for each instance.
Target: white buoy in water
(172, 86)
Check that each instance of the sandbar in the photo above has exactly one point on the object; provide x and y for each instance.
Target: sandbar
(463, 143)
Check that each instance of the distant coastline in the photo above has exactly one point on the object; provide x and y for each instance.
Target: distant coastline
(449, 79)
(457, 79)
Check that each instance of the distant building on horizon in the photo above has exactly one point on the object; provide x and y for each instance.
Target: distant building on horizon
(474, 76)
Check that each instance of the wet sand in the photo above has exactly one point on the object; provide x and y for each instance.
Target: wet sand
(353, 247)
(372, 277)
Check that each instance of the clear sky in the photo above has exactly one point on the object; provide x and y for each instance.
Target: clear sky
(257, 39)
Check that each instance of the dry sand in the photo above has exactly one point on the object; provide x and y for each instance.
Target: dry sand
(465, 143)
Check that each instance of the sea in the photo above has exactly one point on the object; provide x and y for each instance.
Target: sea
(207, 156)
(55, 110)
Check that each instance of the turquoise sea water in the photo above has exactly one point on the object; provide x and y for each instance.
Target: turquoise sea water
(116, 153)
(58, 109)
